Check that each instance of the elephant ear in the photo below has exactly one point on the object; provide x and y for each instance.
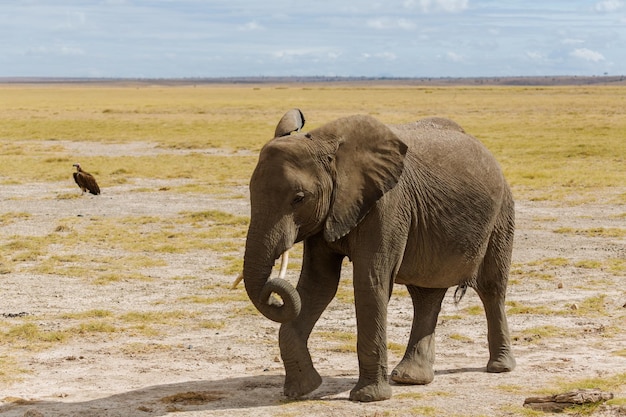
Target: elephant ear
(368, 162)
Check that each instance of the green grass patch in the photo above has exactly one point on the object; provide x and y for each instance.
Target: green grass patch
(541, 333)
(612, 383)
(343, 342)
(590, 307)
(133, 235)
(474, 310)
(108, 278)
(90, 314)
(616, 265)
(515, 307)
(550, 262)
(95, 326)
(198, 218)
(461, 338)
(396, 348)
(99, 270)
(226, 245)
(588, 264)
(227, 297)
(157, 317)
(31, 336)
(424, 410)
(10, 371)
(593, 306)
(512, 389)
(8, 218)
(417, 396)
(212, 324)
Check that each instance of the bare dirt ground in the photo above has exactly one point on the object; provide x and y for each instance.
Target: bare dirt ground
(235, 370)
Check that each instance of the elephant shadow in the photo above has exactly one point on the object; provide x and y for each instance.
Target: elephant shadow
(481, 369)
(159, 400)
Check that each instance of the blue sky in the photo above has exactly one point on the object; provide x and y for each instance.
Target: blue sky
(373, 38)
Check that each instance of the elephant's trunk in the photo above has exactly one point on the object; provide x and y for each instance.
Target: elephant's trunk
(257, 267)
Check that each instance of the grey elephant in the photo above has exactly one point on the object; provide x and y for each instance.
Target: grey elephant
(422, 204)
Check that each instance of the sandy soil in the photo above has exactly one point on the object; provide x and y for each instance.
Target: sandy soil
(235, 370)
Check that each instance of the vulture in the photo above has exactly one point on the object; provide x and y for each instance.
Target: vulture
(86, 181)
(292, 121)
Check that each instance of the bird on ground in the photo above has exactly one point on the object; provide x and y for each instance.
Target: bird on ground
(292, 121)
(85, 181)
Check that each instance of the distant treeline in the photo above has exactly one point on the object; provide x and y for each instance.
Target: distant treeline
(434, 81)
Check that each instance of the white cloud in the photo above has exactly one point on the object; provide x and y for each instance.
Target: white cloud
(385, 56)
(250, 26)
(535, 56)
(306, 53)
(572, 41)
(609, 5)
(587, 55)
(385, 24)
(454, 57)
(71, 50)
(449, 6)
(55, 50)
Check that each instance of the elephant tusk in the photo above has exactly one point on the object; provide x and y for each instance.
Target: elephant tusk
(284, 260)
(237, 281)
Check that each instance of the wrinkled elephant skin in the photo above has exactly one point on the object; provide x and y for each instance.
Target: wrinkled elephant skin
(423, 205)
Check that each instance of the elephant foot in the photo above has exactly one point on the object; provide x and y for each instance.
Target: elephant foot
(503, 363)
(376, 391)
(413, 372)
(302, 383)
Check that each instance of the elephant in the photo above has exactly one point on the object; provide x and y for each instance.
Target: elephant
(423, 204)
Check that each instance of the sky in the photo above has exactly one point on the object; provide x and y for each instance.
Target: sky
(345, 38)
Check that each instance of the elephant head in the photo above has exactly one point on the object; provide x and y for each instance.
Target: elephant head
(322, 182)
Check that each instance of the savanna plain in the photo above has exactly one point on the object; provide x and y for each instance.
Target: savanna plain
(120, 304)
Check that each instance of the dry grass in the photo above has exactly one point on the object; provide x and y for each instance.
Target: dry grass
(558, 143)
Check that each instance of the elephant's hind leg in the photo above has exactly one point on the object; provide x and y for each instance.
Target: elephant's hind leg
(501, 358)
(491, 288)
(417, 365)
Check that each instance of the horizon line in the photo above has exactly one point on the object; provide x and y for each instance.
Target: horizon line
(480, 80)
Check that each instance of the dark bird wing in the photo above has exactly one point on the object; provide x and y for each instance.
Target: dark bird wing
(77, 180)
(86, 181)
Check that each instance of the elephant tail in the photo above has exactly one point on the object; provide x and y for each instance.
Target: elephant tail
(459, 293)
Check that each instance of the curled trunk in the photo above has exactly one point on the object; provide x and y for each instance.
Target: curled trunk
(257, 267)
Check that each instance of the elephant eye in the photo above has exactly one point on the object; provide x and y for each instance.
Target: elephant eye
(298, 198)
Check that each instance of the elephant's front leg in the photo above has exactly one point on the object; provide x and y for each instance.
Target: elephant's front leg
(371, 298)
(416, 366)
(317, 287)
